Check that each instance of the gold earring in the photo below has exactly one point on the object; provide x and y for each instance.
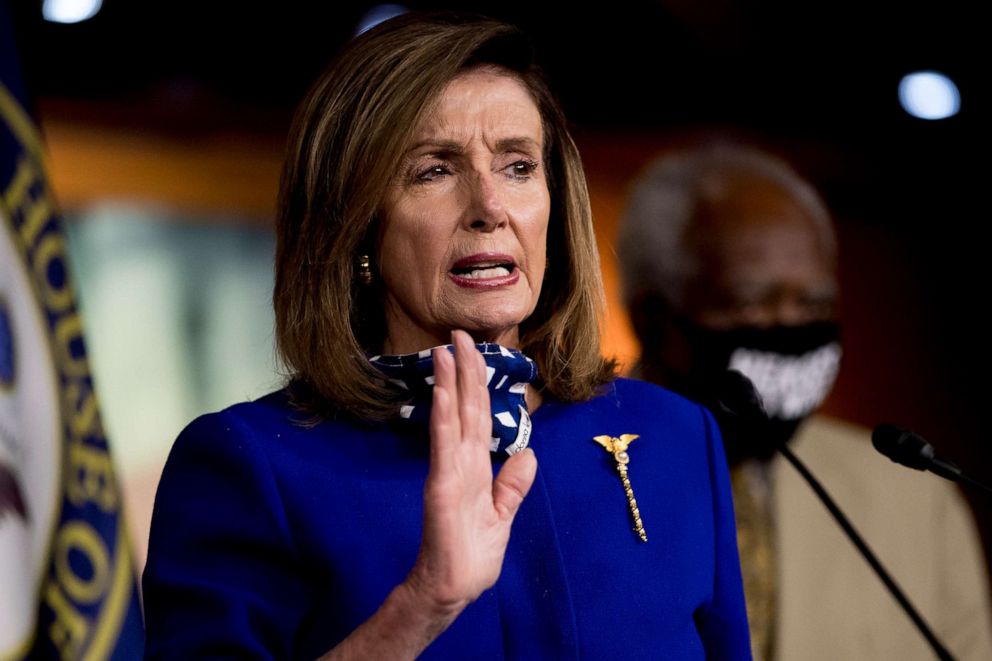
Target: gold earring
(364, 270)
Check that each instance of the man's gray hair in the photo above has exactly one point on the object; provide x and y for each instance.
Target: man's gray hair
(665, 199)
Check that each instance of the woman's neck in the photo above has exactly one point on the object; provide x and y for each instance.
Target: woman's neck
(414, 340)
(533, 398)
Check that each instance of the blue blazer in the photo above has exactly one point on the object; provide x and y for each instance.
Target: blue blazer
(273, 540)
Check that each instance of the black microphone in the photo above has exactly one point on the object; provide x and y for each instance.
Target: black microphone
(738, 405)
(740, 412)
(904, 447)
(737, 397)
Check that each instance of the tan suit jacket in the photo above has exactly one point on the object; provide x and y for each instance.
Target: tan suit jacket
(831, 605)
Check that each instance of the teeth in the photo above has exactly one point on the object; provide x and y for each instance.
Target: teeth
(489, 272)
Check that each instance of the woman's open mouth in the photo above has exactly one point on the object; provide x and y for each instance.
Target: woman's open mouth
(484, 270)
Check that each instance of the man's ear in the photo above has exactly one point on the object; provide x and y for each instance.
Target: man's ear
(651, 317)
(665, 349)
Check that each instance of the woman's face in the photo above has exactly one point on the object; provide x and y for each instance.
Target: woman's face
(465, 220)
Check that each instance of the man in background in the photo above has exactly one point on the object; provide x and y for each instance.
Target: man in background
(729, 260)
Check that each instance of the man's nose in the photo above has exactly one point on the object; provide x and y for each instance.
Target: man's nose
(795, 310)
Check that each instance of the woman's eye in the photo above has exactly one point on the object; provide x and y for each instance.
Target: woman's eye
(432, 173)
(522, 169)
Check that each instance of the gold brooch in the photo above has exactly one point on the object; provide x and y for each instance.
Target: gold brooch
(618, 448)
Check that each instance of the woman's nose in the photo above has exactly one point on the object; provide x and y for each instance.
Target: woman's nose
(485, 212)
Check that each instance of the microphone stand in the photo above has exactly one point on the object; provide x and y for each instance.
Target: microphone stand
(869, 556)
(975, 484)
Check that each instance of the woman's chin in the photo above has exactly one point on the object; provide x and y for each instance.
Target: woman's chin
(500, 329)
(411, 338)
(507, 336)
(494, 317)
(493, 323)
(492, 313)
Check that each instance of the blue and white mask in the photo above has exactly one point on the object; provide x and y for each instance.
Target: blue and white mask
(507, 373)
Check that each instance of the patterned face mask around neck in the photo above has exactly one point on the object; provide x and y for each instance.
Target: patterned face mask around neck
(507, 372)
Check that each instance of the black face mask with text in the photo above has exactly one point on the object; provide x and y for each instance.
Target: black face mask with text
(792, 367)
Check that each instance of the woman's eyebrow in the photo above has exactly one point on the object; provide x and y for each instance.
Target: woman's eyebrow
(437, 146)
(516, 143)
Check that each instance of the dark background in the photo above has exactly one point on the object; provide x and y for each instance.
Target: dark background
(815, 82)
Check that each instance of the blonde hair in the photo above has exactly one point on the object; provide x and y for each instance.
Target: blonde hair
(344, 145)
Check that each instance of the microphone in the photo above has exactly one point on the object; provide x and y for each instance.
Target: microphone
(741, 414)
(737, 397)
(909, 449)
(738, 405)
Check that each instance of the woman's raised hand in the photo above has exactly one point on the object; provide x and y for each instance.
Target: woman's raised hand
(467, 516)
(467, 513)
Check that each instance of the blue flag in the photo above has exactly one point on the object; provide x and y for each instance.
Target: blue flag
(67, 582)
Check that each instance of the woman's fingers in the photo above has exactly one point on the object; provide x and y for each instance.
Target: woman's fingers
(461, 409)
(485, 418)
(470, 396)
(513, 482)
(467, 514)
(445, 426)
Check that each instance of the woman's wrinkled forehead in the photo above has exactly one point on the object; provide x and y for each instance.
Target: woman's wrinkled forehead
(459, 92)
(481, 103)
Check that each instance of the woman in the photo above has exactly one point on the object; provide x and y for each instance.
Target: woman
(429, 184)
